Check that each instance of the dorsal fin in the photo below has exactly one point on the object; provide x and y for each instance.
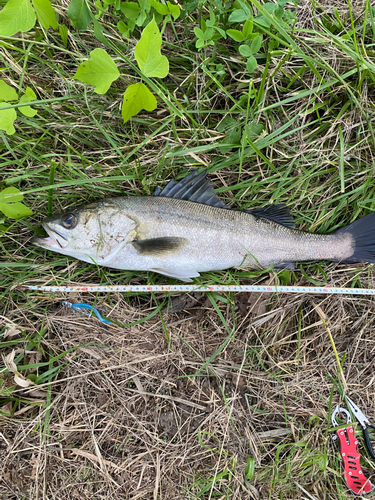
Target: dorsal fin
(277, 213)
(194, 187)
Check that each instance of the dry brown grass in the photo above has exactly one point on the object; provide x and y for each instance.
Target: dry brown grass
(130, 418)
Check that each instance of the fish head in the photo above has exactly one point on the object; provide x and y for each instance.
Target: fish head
(93, 233)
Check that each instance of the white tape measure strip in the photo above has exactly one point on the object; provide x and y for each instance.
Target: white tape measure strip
(197, 288)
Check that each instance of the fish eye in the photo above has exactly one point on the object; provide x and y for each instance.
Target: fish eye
(69, 221)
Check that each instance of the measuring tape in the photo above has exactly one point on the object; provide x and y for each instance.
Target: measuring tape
(202, 288)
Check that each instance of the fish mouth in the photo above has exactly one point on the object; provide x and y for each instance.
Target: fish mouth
(55, 239)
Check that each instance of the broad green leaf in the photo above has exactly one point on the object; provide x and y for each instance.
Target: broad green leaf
(9, 203)
(130, 10)
(99, 71)
(45, 13)
(245, 50)
(7, 118)
(7, 93)
(79, 13)
(141, 18)
(251, 64)
(236, 35)
(136, 98)
(147, 52)
(256, 44)
(253, 130)
(10, 195)
(248, 27)
(17, 15)
(145, 5)
(63, 30)
(98, 30)
(15, 210)
(123, 29)
(28, 97)
(174, 10)
(159, 7)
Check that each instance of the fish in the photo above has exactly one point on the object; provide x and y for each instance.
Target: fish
(185, 229)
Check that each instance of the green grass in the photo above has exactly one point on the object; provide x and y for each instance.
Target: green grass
(313, 96)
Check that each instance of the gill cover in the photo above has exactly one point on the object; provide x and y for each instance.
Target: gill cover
(95, 233)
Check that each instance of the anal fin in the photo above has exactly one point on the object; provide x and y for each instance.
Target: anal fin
(183, 275)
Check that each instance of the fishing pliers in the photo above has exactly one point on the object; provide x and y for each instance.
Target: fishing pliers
(353, 474)
(364, 422)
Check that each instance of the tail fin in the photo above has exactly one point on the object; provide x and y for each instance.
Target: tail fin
(363, 234)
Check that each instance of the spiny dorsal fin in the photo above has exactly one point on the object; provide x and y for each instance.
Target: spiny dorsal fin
(160, 247)
(194, 187)
(277, 213)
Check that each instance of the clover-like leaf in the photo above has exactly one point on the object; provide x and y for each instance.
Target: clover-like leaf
(7, 118)
(245, 50)
(147, 52)
(10, 203)
(237, 35)
(248, 27)
(238, 16)
(251, 64)
(17, 15)
(256, 44)
(29, 96)
(99, 71)
(136, 98)
(45, 13)
(7, 93)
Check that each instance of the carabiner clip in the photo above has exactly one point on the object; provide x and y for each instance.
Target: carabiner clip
(338, 410)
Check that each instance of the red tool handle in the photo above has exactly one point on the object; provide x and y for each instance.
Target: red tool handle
(353, 475)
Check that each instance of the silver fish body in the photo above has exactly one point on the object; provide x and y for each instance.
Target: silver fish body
(181, 238)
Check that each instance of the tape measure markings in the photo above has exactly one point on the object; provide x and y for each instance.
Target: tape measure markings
(197, 288)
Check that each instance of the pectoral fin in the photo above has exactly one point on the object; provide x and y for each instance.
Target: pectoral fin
(183, 275)
(286, 265)
(160, 247)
